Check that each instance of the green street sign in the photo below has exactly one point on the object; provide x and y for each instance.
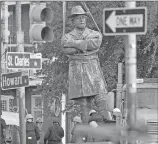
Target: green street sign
(14, 80)
(19, 60)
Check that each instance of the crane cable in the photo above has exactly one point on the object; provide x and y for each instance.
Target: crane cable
(87, 9)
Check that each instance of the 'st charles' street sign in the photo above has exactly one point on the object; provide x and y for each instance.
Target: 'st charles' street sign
(124, 21)
(14, 80)
(19, 60)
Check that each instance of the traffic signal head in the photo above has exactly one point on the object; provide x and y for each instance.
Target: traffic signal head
(39, 16)
(41, 33)
(41, 13)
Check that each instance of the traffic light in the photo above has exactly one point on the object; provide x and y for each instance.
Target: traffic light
(40, 15)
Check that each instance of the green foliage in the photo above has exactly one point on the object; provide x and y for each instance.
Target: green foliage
(112, 50)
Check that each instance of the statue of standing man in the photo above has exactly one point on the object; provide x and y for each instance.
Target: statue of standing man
(86, 81)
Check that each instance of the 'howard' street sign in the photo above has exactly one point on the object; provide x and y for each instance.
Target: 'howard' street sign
(18, 60)
(123, 21)
(14, 80)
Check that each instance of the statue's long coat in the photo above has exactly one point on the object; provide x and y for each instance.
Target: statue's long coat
(85, 75)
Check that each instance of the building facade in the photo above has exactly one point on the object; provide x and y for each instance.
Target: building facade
(10, 99)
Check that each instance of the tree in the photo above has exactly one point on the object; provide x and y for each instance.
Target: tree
(112, 50)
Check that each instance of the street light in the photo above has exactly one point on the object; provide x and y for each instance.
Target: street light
(4, 14)
(5, 33)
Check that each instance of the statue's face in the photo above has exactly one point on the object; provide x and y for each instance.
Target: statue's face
(80, 21)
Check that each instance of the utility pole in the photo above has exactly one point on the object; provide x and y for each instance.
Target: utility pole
(131, 61)
(21, 91)
(64, 16)
(0, 71)
(119, 90)
(63, 116)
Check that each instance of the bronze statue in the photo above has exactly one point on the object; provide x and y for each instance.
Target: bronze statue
(86, 81)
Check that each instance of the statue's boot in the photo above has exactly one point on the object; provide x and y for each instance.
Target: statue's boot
(101, 103)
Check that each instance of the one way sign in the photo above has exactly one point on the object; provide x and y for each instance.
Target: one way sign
(124, 21)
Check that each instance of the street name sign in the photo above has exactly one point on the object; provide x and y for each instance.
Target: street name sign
(124, 21)
(19, 60)
(14, 80)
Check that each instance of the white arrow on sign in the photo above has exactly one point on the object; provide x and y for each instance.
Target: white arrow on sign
(124, 21)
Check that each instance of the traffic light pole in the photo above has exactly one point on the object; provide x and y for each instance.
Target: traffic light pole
(0, 72)
(21, 91)
(130, 54)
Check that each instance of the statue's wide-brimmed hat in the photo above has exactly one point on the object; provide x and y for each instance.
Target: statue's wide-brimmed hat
(77, 10)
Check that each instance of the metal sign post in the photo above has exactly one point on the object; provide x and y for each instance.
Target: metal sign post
(63, 116)
(0, 72)
(130, 55)
(21, 91)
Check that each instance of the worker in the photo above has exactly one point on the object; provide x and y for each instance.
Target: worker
(32, 130)
(77, 121)
(3, 131)
(55, 133)
(95, 116)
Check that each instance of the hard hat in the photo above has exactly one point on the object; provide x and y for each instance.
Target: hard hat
(116, 112)
(93, 124)
(55, 120)
(29, 116)
(77, 119)
(92, 111)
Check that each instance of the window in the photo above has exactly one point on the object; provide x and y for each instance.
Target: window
(37, 107)
(4, 105)
(38, 103)
(7, 102)
(10, 103)
(37, 113)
